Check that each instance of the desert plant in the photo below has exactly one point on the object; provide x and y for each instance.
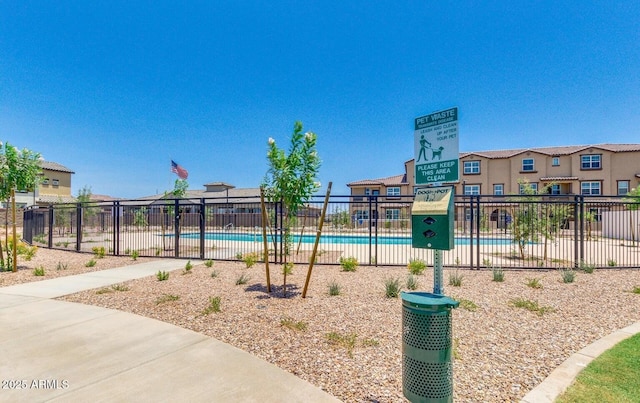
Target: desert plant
(412, 282)
(416, 266)
(587, 268)
(455, 278)
(104, 290)
(208, 263)
(636, 290)
(498, 274)
(62, 266)
(250, 259)
(120, 287)
(486, 262)
(347, 341)
(98, 251)
(243, 279)
(214, 274)
(467, 304)
(348, 263)
(187, 268)
(568, 275)
(334, 288)
(135, 254)
(167, 298)
(287, 268)
(392, 287)
(38, 271)
(162, 275)
(534, 283)
(292, 324)
(213, 307)
(90, 263)
(611, 263)
(531, 306)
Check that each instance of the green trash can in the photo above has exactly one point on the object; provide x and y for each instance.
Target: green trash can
(427, 369)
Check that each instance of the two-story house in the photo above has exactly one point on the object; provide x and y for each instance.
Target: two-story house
(54, 187)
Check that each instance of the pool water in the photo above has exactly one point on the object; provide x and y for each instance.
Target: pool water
(336, 239)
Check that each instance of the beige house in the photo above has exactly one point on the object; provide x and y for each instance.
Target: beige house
(54, 187)
(602, 169)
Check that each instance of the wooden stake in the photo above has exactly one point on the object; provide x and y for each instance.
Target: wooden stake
(264, 238)
(315, 245)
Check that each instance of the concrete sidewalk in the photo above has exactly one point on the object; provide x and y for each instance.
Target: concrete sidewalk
(62, 351)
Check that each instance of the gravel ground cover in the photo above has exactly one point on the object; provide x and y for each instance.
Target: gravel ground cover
(350, 345)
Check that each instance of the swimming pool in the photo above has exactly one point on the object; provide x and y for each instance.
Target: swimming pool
(336, 239)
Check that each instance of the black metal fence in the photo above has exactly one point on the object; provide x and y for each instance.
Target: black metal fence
(490, 231)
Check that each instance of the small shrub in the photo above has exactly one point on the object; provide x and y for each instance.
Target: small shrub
(392, 288)
(334, 288)
(348, 263)
(187, 268)
(636, 290)
(243, 279)
(287, 269)
(412, 282)
(455, 278)
(90, 263)
(534, 283)
(250, 259)
(162, 275)
(416, 266)
(457, 261)
(467, 304)
(104, 291)
(158, 251)
(127, 251)
(62, 266)
(568, 276)
(611, 263)
(135, 254)
(208, 263)
(292, 324)
(347, 341)
(498, 274)
(98, 251)
(486, 262)
(167, 298)
(587, 268)
(214, 274)
(531, 306)
(29, 252)
(38, 271)
(214, 306)
(120, 287)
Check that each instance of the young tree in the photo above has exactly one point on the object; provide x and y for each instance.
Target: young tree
(19, 170)
(180, 187)
(633, 198)
(291, 179)
(89, 209)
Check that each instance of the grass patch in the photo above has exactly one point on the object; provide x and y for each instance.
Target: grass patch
(214, 274)
(62, 266)
(120, 287)
(467, 304)
(455, 279)
(412, 282)
(532, 306)
(568, 275)
(392, 287)
(612, 377)
(348, 263)
(292, 324)
(534, 283)
(636, 290)
(38, 271)
(349, 341)
(416, 266)
(167, 298)
(587, 268)
(213, 307)
(90, 263)
(334, 288)
(498, 274)
(243, 279)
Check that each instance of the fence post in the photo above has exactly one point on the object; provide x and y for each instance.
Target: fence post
(78, 226)
(576, 214)
(582, 219)
(116, 228)
(478, 224)
(176, 226)
(471, 222)
(202, 227)
(50, 223)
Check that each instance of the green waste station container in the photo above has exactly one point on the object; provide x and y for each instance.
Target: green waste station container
(427, 369)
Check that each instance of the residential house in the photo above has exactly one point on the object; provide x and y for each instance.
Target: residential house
(54, 187)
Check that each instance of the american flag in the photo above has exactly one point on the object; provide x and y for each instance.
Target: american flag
(180, 171)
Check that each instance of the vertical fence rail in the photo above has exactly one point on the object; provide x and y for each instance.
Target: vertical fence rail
(559, 232)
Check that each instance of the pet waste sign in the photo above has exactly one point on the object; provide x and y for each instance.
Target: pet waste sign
(436, 147)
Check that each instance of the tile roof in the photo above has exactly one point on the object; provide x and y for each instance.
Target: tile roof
(388, 181)
(553, 151)
(54, 166)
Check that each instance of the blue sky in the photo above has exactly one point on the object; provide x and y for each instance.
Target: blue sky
(114, 90)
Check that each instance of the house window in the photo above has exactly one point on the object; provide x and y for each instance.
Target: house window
(471, 189)
(393, 192)
(555, 161)
(527, 165)
(55, 182)
(45, 181)
(591, 161)
(498, 189)
(533, 186)
(623, 187)
(590, 188)
(393, 214)
(555, 189)
(371, 192)
(361, 215)
(471, 167)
